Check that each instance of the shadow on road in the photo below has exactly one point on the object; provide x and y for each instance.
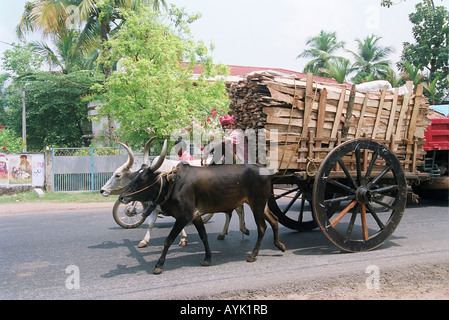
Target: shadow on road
(232, 249)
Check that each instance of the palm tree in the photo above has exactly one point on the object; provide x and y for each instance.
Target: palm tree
(97, 19)
(64, 55)
(322, 48)
(370, 59)
(393, 78)
(411, 73)
(338, 69)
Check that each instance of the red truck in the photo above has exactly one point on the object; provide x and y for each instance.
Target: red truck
(436, 161)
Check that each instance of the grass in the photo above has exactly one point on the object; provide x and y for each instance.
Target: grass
(57, 197)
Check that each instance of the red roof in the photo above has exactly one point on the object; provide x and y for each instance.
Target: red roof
(243, 70)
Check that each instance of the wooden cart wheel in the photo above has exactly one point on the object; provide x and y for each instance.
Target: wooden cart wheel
(372, 191)
(288, 203)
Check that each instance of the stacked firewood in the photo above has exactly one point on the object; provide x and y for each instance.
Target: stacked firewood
(303, 109)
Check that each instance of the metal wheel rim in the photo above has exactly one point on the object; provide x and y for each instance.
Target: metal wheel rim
(122, 216)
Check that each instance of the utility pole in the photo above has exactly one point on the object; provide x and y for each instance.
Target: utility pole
(24, 124)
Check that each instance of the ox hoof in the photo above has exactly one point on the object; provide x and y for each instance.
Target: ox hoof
(157, 270)
(205, 263)
(246, 232)
(183, 243)
(142, 244)
(251, 259)
(280, 246)
(221, 237)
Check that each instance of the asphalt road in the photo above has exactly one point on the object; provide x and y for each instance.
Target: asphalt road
(85, 255)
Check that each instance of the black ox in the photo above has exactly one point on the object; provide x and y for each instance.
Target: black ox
(195, 191)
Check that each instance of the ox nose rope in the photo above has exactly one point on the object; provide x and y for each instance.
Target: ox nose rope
(135, 192)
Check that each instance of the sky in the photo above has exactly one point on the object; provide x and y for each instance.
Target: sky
(271, 34)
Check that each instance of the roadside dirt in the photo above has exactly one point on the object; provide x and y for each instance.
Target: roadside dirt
(430, 282)
(31, 207)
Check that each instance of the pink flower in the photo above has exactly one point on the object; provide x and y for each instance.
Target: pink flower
(2, 127)
(208, 119)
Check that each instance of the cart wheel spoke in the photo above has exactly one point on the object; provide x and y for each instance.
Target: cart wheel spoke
(286, 193)
(383, 204)
(371, 165)
(358, 162)
(364, 227)
(340, 185)
(380, 176)
(385, 189)
(338, 200)
(351, 224)
(375, 216)
(292, 201)
(343, 213)
(346, 171)
(301, 211)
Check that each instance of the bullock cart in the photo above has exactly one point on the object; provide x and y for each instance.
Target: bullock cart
(343, 159)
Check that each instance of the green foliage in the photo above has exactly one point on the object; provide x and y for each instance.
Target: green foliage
(21, 60)
(370, 59)
(430, 53)
(153, 89)
(54, 107)
(9, 142)
(322, 48)
(338, 69)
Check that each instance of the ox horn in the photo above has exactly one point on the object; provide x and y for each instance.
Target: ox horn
(146, 153)
(161, 159)
(130, 161)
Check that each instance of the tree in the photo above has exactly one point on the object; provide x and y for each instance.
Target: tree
(430, 53)
(97, 19)
(370, 59)
(338, 69)
(389, 3)
(153, 89)
(412, 73)
(65, 54)
(21, 59)
(322, 48)
(55, 111)
(9, 141)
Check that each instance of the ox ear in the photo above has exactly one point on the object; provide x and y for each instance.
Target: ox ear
(130, 161)
(161, 159)
(146, 153)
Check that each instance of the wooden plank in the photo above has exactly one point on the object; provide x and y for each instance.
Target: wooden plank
(404, 107)
(379, 112)
(349, 111)
(321, 115)
(299, 92)
(362, 115)
(308, 106)
(337, 119)
(392, 114)
(417, 106)
(282, 112)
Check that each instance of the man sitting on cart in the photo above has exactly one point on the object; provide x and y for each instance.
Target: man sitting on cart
(233, 145)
